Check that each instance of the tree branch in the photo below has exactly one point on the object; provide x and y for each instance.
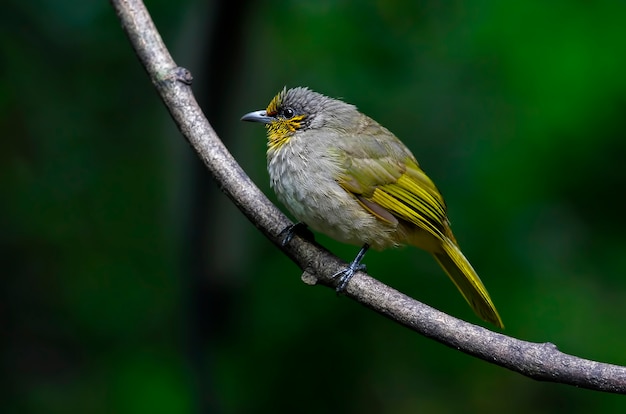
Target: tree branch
(540, 361)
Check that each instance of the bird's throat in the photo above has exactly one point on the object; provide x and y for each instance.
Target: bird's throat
(277, 136)
(280, 131)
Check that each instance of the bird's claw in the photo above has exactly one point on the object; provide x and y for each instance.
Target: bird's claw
(344, 276)
(299, 228)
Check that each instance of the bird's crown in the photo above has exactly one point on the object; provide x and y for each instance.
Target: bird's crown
(306, 108)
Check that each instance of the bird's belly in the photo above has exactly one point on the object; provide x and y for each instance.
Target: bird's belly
(326, 207)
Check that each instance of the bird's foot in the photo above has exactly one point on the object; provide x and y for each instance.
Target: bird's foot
(300, 229)
(344, 276)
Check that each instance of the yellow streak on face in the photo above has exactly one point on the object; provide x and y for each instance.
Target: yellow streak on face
(279, 131)
(272, 108)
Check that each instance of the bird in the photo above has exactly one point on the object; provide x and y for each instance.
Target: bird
(343, 174)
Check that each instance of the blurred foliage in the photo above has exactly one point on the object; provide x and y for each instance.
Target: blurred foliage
(515, 109)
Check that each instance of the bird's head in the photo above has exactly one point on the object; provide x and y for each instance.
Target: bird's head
(297, 110)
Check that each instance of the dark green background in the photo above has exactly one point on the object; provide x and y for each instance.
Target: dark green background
(130, 284)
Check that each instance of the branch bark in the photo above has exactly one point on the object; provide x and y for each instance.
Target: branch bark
(540, 361)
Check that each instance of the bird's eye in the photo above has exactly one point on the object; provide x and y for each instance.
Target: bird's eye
(288, 113)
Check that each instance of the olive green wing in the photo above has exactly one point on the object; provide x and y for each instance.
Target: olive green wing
(386, 179)
(384, 176)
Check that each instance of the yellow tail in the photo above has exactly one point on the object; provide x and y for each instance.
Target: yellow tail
(467, 281)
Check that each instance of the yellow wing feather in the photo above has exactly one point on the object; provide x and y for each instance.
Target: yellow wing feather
(392, 191)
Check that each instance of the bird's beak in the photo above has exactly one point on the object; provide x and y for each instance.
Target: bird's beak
(258, 116)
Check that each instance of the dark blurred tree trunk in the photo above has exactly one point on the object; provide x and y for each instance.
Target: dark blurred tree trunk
(208, 299)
